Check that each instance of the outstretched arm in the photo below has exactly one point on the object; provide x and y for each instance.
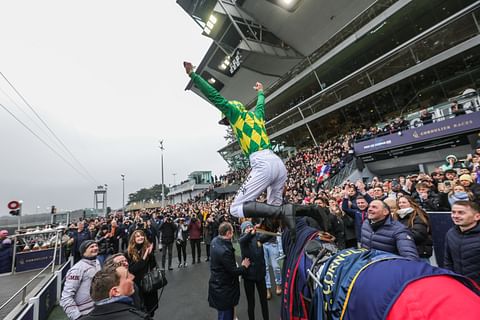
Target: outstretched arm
(260, 108)
(210, 92)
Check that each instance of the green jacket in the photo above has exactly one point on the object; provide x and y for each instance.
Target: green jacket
(248, 127)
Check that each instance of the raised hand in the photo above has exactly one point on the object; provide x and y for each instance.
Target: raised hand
(258, 86)
(188, 67)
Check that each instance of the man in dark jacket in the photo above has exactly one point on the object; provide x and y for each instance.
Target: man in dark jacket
(380, 232)
(105, 246)
(79, 236)
(223, 286)
(359, 214)
(251, 248)
(167, 229)
(112, 290)
(462, 241)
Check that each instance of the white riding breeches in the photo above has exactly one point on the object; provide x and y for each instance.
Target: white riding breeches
(268, 173)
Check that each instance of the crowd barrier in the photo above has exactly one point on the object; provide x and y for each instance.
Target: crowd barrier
(440, 222)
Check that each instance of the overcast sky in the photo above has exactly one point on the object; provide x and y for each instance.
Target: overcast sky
(107, 78)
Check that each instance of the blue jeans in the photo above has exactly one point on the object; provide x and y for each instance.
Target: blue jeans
(225, 314)
(280, 248)
(270, 251)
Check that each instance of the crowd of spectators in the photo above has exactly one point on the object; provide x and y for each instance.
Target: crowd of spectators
(399, 124)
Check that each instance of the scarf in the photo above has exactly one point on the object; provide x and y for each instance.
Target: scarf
(402, 213)
(456, 196)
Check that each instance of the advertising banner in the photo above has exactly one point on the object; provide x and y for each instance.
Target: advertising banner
(441, 222)
(47, 299)
(36, 259)
(463, 123)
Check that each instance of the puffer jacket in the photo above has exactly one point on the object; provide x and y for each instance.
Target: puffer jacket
(421, 235)
(391, 237)
(75, 299)
(462, 252)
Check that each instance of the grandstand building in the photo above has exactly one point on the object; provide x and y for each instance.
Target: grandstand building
(332, 67)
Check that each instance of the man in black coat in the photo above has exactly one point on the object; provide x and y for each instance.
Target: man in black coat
(111, 290)
(462, 241)
(223, 286)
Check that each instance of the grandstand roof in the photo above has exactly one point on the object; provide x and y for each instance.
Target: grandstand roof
(288, 37)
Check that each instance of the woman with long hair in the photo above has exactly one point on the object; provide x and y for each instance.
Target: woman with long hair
(141, 259)
(416, 220)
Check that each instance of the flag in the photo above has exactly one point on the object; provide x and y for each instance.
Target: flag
(323, 172)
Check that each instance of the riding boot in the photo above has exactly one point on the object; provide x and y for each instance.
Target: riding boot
(319, 214)
(285, 212)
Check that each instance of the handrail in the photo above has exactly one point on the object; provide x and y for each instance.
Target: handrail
(24, 288)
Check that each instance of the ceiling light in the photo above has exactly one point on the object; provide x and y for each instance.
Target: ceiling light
(207, 30)
(289, 5)
(223, 66)
(210, 24)
(212, 80)
(213, 19)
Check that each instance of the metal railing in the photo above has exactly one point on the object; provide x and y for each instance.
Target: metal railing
(57, 244)
(340, 177)
(23, 290)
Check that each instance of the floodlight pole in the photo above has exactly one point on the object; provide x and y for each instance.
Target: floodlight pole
(163, 184)
(123, 193)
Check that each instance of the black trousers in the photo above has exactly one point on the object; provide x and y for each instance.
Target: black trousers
(181, 251)
(195, 243)
(167, 247)
(207, 246)
(249, 286)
